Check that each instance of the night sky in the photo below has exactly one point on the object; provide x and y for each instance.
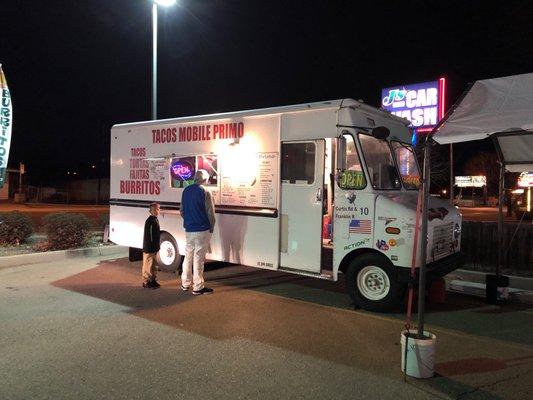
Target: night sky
(75, 68)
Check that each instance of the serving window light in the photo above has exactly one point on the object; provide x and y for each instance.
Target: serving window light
(238, 160)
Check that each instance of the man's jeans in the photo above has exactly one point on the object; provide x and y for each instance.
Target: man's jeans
(197, 244)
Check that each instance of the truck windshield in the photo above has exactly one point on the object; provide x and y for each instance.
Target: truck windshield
(405, 157)
(380, 163)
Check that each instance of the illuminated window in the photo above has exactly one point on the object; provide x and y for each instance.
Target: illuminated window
(409, 172)
(210, 164)
(182, 170)
(353, 176)
(298, 163)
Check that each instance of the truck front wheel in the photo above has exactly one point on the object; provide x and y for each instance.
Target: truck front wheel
(168, 257)
(372, 284)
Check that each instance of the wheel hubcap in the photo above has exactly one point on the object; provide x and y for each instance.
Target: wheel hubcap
(167, 252)
(373, 282)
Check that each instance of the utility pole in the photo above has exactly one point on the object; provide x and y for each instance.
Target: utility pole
(21, 172)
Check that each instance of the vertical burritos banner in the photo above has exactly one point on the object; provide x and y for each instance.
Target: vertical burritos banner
(6, 123)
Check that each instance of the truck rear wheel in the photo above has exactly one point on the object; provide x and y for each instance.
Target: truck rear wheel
(168, 257)
(372, 284)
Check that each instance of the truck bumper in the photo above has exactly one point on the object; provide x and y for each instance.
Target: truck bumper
(435, 269)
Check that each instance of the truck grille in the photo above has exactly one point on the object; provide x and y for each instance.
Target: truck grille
(442, 241)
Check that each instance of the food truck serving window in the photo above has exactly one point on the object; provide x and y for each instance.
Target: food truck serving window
(353, 176)
(182, 170)
(298, 163)
(409, 172)
(209, 163)
(380, 163)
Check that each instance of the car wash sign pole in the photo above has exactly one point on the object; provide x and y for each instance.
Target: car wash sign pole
(421, 103)
(6, 123)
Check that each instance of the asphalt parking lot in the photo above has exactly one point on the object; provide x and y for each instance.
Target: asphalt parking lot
(86, 329)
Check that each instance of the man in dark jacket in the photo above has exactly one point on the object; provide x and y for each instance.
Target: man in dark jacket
(151, 247)
(198, 213)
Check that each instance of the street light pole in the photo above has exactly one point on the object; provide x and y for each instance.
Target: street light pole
(154, 60)
(164, 3)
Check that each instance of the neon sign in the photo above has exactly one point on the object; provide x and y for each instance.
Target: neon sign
(421, 103)
(182, 170)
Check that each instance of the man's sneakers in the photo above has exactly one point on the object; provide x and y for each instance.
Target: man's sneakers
(205, 290)
(154, 285)
(151, 285)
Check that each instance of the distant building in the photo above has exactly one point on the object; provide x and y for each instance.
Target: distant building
(11, 184)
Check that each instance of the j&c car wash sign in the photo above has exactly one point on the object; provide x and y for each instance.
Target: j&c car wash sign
(421, 103)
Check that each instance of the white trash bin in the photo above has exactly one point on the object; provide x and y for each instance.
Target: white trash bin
(420, 354)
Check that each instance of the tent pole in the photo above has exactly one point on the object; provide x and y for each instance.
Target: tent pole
(451, 174)
(500, 219)
(424, 238)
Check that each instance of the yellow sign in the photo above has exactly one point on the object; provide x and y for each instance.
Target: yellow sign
(352, 180)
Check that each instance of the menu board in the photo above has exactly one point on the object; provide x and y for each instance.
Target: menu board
(252, 185)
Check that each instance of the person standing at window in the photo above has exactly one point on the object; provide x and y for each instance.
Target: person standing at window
(198, 212)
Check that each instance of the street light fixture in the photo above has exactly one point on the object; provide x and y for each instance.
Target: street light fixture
(155, 3)
(165, 3)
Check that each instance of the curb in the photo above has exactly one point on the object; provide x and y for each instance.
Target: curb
(517, 282)
(473, 283)
(61, 255)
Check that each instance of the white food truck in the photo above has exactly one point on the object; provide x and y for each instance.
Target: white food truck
(311, 189)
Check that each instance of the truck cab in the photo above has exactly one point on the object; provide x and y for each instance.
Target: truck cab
(364, 180)
(374, 217)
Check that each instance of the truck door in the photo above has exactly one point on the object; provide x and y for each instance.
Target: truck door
(302, 192)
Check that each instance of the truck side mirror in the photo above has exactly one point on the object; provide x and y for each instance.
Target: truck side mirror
(341, 153)
(381, 132)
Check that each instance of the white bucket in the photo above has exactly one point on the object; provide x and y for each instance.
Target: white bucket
(420, 354)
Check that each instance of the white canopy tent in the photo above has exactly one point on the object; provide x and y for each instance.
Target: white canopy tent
(499, 107)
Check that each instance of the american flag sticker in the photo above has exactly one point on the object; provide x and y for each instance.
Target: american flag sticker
(361, 226)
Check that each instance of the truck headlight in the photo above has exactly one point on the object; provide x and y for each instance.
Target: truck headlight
(457, 231)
